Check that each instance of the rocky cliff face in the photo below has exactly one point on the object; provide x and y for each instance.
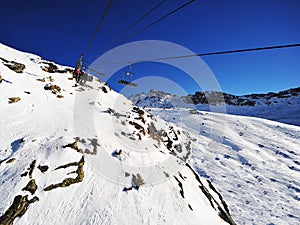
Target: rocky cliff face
(165, 100)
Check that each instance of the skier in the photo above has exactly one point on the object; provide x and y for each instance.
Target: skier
(78, 72)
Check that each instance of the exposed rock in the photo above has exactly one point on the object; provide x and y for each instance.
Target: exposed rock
(104, 89)
(94, 143)
(194, 111)
(127, 174)
(43, 169)
(180, 186)
(31, 168)
(54, 88)
(4, 60)
(67, 165)
(69, 181)
(24, 174)
(138, 110)
(59, 96)
(17, 209)
(41, 80)
(31, 186)
(137, 181)
(154, 133)
(127, 189)
(80, 89)
(50, 68)
(138, 127)
(17, 67)
(117, 153)
(10, 160)
(223, 211)
(13, 99)
(73, 145)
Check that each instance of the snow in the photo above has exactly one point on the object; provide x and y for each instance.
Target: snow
(253, 162)
(40, 125)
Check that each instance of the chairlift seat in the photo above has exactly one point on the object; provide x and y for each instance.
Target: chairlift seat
(124, 82)
(87, 77)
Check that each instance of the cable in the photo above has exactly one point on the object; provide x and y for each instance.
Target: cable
(156, 21)
(137, 21)
(98, 27)
(234, 51)
(209, 53)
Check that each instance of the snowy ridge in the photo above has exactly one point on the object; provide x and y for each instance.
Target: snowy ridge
(282, 107)
(52, 172)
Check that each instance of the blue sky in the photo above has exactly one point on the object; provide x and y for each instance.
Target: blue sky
(60, 31)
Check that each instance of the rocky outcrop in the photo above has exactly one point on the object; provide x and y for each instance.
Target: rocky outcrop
(31, 168)
(50, 68)
(10, 160)
(13, 99)
(15, 66)
(43, 169)
(53, 68)
(215, 98)
(30, 187)
(53, 88)
(69, 181)
(17, 209)
(222, 207)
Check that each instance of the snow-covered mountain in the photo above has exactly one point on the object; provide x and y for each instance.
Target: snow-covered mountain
(283, 106)
(86, 155)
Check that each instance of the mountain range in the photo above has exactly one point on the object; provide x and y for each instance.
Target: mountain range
(283, 106)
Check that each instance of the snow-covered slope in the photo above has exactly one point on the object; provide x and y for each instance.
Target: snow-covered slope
(255, 163)
(282, 107)
(126, 167)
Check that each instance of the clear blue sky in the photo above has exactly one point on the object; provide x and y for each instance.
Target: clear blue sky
(60, 30)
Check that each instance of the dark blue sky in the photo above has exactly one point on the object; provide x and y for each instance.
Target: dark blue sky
(60, 30)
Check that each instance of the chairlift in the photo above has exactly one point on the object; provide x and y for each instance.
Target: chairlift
(96, 72)
(81, 65)
(129, 75)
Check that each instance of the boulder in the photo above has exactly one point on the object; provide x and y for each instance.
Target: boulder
(13, 99)
(17, 67)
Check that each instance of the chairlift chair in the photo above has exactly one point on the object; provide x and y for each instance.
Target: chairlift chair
(81, 65)
(129, 74)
